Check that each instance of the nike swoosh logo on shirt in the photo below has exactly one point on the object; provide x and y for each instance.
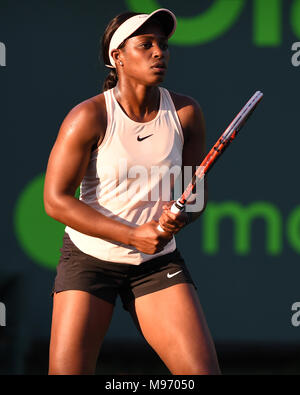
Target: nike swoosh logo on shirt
(143, 138)
(173, 274)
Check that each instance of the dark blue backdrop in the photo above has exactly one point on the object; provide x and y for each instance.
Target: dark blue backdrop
(51, 65)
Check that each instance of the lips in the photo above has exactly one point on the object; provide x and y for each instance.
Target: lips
(161, 67)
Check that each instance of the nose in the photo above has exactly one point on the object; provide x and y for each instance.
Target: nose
(158, 52)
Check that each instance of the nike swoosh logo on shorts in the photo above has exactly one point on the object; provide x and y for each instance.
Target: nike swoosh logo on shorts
(173, 274)
(143, 138)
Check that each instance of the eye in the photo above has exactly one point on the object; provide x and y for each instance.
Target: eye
(164, 46)
(146, 45)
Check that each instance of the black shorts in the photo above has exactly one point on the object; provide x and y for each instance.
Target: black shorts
(79, 271)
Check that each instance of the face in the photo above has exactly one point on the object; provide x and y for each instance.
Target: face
(145, 55)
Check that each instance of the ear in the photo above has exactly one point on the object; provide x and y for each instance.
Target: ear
(115, 53)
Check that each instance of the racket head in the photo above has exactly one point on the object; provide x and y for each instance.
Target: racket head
(241, 118)
(224, 141)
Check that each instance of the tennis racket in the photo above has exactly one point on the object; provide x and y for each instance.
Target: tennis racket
(223, 142)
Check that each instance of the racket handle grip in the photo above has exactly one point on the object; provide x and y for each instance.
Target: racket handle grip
(160, 228)
(175, 208)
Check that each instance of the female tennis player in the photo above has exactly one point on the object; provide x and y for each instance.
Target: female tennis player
(112, 145)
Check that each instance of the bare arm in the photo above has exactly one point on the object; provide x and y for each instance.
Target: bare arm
(82, 129)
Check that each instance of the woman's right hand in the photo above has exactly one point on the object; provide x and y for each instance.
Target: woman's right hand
(148, 239)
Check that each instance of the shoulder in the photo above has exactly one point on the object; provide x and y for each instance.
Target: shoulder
(92, 109)
(186, 103)
(182, 100)
(87, 120)
(189, 112)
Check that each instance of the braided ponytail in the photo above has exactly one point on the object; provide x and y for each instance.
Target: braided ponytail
(110, 81)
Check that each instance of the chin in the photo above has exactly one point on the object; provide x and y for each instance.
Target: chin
(157, 80)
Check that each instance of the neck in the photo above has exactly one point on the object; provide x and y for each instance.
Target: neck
(139, 102)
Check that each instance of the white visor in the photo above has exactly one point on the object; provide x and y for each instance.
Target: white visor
(166, 17)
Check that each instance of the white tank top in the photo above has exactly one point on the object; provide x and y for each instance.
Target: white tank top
(128, 174)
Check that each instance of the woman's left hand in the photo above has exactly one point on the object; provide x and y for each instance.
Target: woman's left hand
(170, 222)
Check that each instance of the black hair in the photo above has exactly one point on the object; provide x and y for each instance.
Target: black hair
(112, 78)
